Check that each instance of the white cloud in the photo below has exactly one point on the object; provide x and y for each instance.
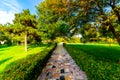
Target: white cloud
(12, 5)
(7, 10)
(6, 17)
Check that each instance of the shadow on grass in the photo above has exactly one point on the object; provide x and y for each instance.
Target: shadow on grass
(28, 68)
(22, 59)
(4, 60)
(100, 52)
(40, 45)
(3, 47)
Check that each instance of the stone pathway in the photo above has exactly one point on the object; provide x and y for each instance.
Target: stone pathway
(61, 67)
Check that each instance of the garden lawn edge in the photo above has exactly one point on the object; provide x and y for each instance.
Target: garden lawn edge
(28, 68)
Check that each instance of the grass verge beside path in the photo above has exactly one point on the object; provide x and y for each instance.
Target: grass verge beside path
(27, 67)
(100, 62)
(13, 53)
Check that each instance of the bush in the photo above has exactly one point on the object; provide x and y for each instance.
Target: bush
(28, 68)
(60, 39)
(74, 40)
(9, 43)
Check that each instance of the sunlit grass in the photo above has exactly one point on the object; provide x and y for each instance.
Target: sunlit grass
(11, 54)
(99, 61)
(95, 43)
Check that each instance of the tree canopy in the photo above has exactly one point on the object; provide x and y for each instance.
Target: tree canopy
(24, 25)
(65, 18)
(105, 14)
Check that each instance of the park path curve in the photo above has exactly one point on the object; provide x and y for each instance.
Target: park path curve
(61, 67)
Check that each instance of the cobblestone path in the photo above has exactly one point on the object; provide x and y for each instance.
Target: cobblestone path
(61, 67)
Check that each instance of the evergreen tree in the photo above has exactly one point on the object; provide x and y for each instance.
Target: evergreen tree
(24, 24)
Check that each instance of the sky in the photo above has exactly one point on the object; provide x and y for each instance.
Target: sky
(9, 7)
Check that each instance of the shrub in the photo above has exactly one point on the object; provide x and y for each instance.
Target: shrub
(74, 40)
(9, 43)
(28, 68)
(60, 39)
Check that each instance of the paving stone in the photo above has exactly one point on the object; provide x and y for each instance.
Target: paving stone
(67, 78)
(79, 77)
(62, 71)
(53, 66)
(56, 75)
(62, 77)
(61, 67)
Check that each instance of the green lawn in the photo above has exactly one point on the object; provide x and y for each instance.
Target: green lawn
(99, 61)
(13, 53)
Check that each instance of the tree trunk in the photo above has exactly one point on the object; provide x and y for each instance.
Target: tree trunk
(25, 42)
(112, 29)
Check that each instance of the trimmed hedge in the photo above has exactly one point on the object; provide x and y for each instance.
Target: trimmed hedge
(28, 68)
(95, 68)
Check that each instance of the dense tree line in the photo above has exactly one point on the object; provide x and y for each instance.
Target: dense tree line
(79, 14)
(24, 27)
(64, 18)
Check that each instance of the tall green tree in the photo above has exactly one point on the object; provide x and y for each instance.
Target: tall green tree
(89, 32)
(5, 35)
(109, 19)
(50, 23)
(2, 32)
(78, 13)
(24, 24)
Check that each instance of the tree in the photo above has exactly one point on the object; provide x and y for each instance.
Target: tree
(50, 23)
(24, 24)
(78, 13)
(109, 19)
(5, 36)
(89, 32)
(2, 33)
(68, 14)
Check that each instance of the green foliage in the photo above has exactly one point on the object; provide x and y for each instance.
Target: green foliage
(89, 31)
(60, 39)
(4, 35)
(28, 68)
(50, 25)
(64, 18)
(100, 62)
(2, 38)
(25, 24)
(9, 42)
(57, 18)
(78, 14)
(25, 20)
(74, 40)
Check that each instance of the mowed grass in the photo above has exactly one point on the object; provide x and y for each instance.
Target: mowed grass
(13, 53)
(99, 61)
